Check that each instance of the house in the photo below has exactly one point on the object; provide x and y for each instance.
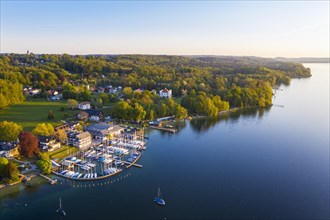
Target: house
(100, 89)
(83, 116)
(56, 97)
(35, 91)
(165, 93)
(138, 90)
(113, 90)
(47, 143)
(79, 139)
(155, 123)
(8, 149)
(94, 115)
(67, 126)
(84, 105)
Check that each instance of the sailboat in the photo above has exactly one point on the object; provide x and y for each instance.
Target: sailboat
(61, 211)
(158, 198)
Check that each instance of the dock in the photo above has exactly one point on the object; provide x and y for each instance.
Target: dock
(130, 164)
(172, 130)
(51, 181)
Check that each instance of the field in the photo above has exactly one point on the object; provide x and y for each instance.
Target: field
(30, 113)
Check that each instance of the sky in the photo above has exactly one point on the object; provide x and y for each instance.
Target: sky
(239, 28)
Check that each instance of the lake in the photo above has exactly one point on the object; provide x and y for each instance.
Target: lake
(267, 164)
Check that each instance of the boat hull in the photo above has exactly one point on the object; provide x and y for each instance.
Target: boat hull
(159, 201)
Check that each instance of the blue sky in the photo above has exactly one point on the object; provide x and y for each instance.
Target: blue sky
(268, 29)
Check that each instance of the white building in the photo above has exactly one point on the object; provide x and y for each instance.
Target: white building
(84, 105)
(165, 93)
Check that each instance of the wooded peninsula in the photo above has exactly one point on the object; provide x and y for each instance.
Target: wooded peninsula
(201, 85)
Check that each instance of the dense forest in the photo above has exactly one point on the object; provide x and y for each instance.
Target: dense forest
(241, 81)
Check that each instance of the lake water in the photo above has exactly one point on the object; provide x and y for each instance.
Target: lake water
(270, 164)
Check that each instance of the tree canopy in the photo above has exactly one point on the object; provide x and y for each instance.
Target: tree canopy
(9, 130)
(44, 129)
(28, 144)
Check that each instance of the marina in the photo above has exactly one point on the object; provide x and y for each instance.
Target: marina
(103, 161)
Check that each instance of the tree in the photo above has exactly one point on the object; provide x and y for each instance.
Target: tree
(50, 115)
(97, 102)
(138, 112)
(85, 95)
(122, 110)
(9, 130)
(61, 135)
(104, 97)
(180, 112)
(44, 129)
(11, 172)
(128, 92)
(221, 105)
(44, 163)
(28, 144)
(44, 166)
(3, 163)
(72, 103)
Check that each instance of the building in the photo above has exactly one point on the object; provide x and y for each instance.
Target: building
(79, 139)
(8, 149)
(83, 116)
(56, 97)
(138, 90)
(84, 105)
(155, 123)
(100, 89)
(94, 115)
(116, 130)
(47, 143)
(165, 93)
(102, 131)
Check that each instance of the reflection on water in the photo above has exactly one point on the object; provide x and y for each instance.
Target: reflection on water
(200, 125)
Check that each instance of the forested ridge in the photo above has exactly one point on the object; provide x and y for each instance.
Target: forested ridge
(241, 81)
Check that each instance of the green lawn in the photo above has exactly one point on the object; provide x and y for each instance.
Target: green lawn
(62, 152)
(30, 113)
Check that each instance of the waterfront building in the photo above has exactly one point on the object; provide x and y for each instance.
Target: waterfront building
(79, 139)
(102, 131)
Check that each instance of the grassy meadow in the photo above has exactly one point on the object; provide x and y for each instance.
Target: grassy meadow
(34, 111)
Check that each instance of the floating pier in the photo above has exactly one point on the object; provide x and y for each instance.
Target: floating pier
(172, 130)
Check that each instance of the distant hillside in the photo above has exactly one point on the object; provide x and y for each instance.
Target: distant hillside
(305, 59)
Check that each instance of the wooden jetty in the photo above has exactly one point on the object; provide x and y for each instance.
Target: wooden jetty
(130, 164)
(51, 181)
(172, 130)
